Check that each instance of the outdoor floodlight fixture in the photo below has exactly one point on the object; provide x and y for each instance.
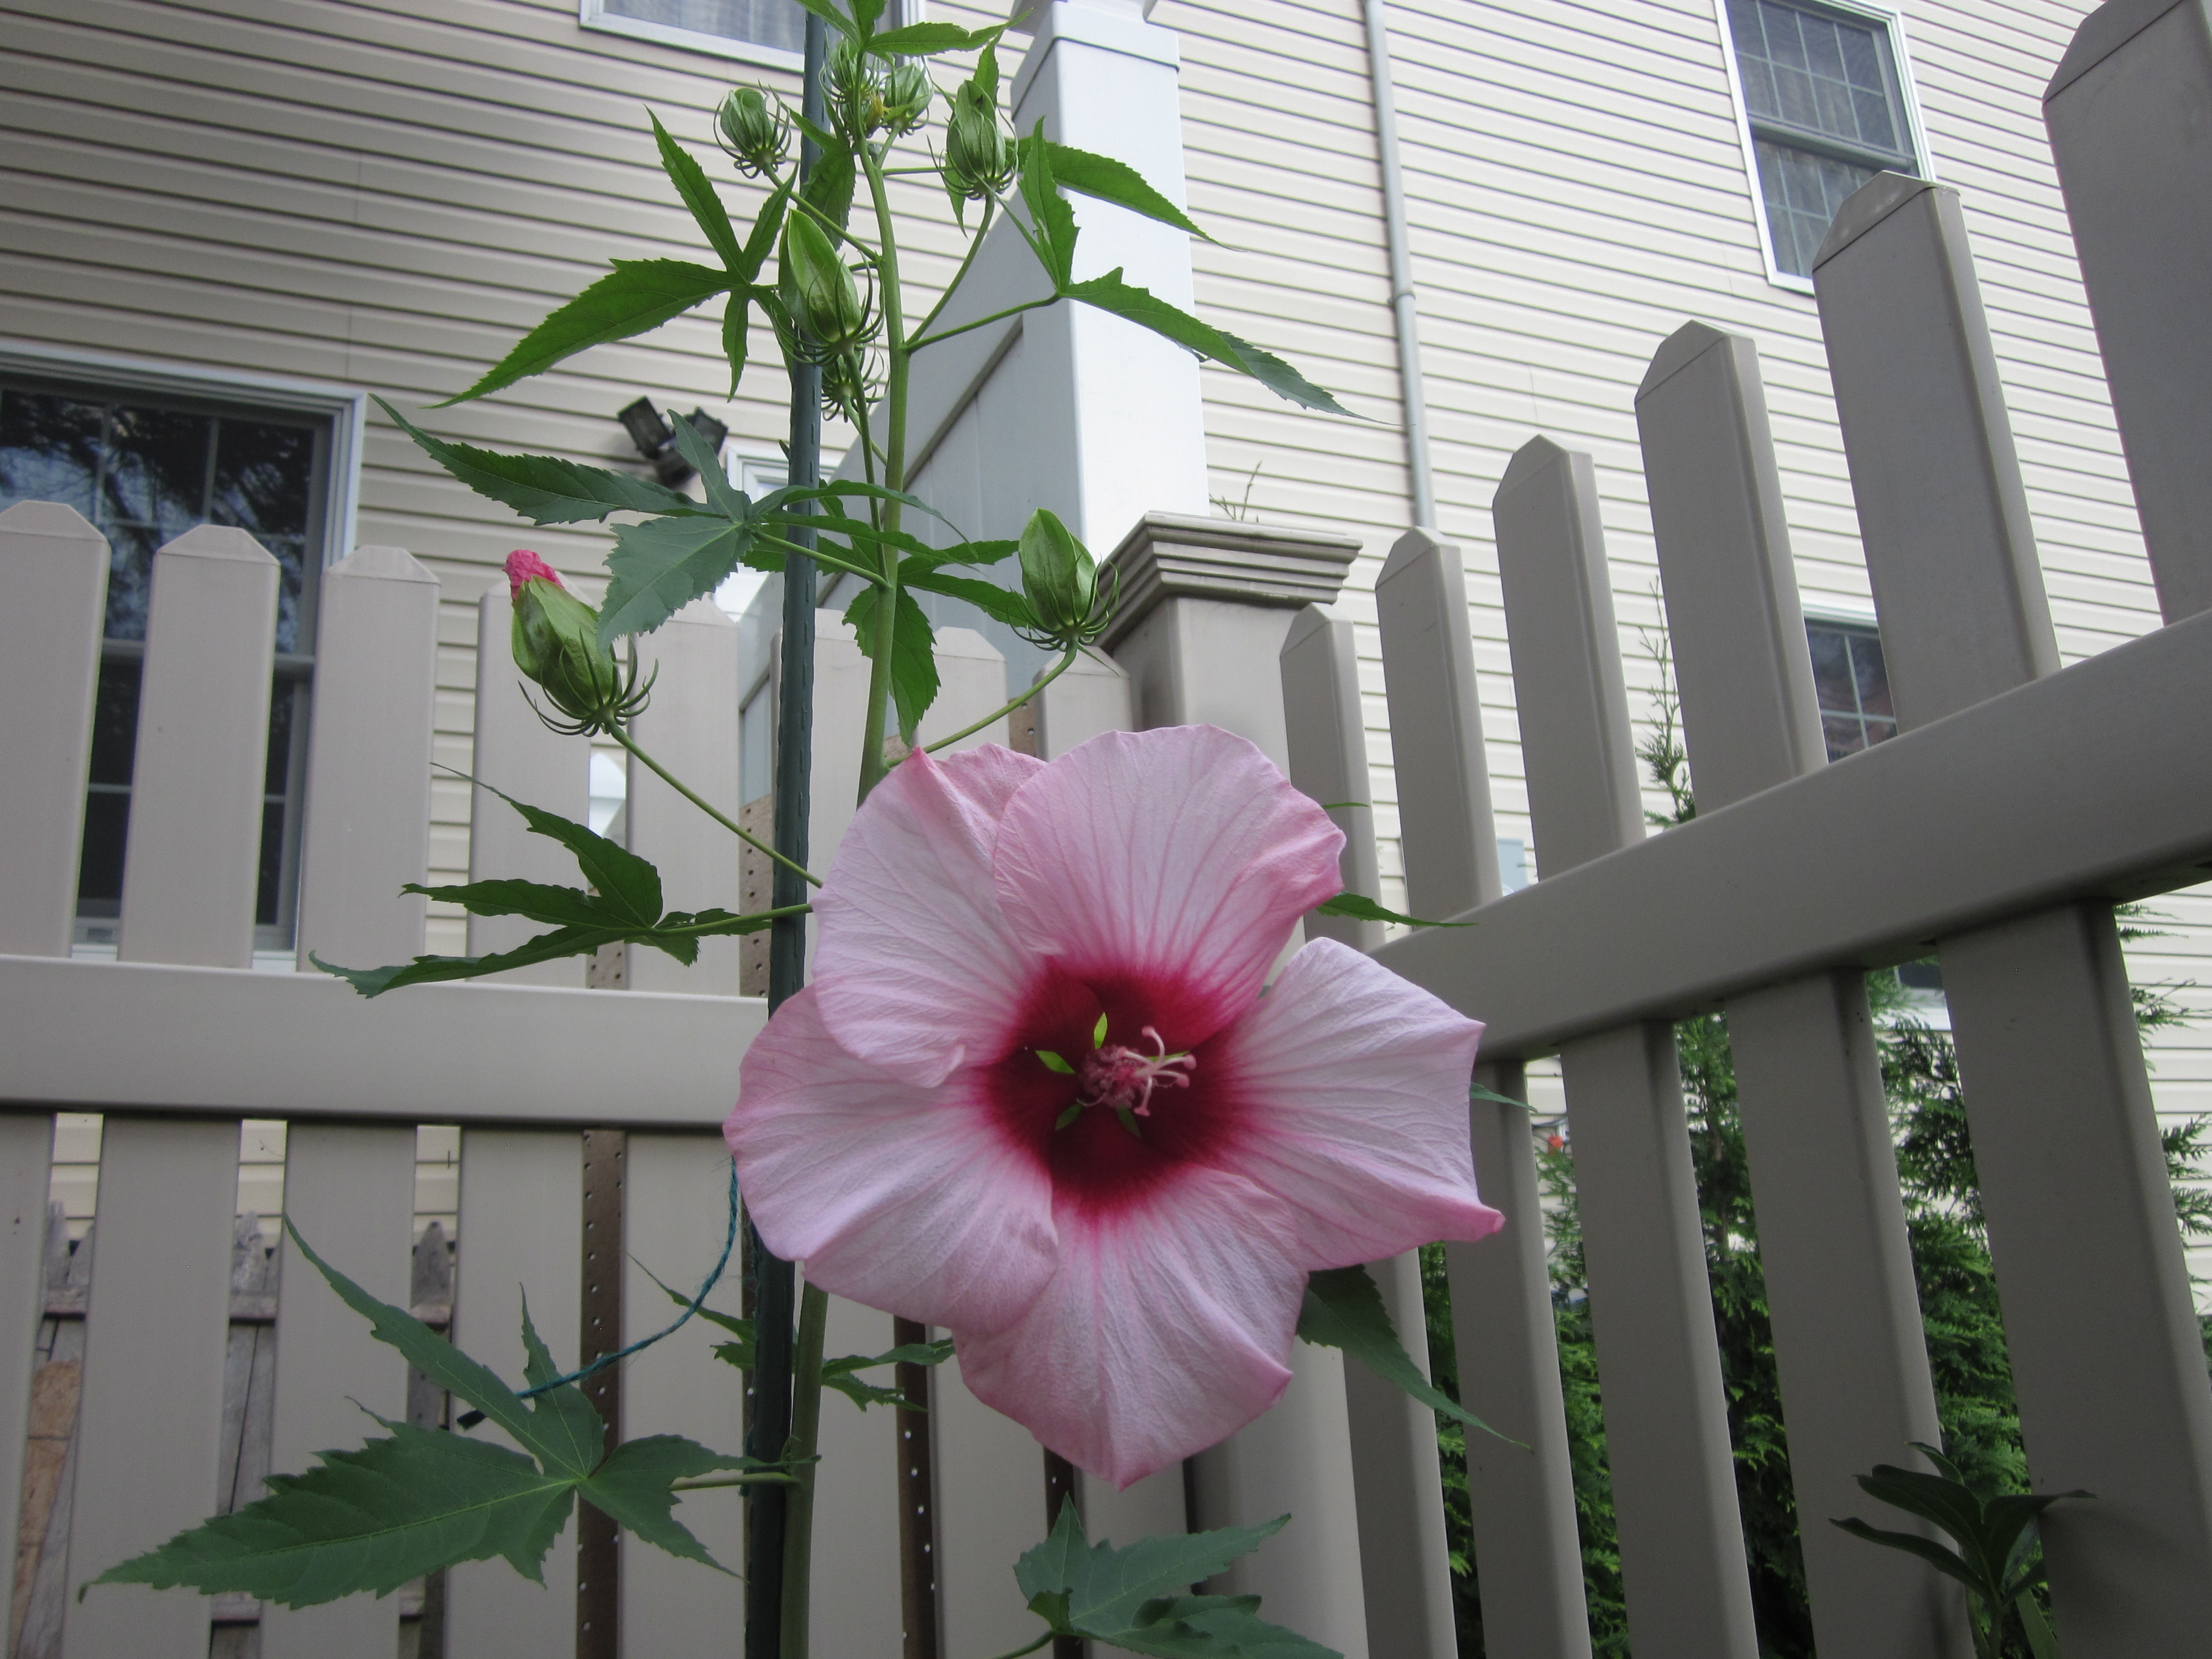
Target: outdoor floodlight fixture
(656, 440)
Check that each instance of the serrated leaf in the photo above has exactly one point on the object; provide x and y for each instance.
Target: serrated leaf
(1213, 1627)
(832, 180)
(839, 1374)
(636, 295)
(865, 12)
(1003, 603)
(1110, 293)
(1109, 180)
(1100, 1590)
(914, 654)
(634, 1487)
(698, 193)
(829, 13)
(560, 907)
(1362, 909)
(570, 1435)
(927, 39)
(368, 1520)
(1050, 217)
(544, 488)
(627, 883)
(722, 496)
(660, 566)
(1344, 1310)
(434, 970)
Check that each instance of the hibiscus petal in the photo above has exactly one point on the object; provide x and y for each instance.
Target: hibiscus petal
(1164, 1330)
(917, 970)
(1179, 856)
(908, 1200)
(1353, 1089)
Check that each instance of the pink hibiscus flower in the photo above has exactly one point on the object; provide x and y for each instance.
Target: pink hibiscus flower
(1035, 1095)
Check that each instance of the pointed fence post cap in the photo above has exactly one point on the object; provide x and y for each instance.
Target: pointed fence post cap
(2102, 32)
(1679, 350)
(1866, 207)
(217, 541)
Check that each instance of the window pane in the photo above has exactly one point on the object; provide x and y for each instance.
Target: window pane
(131, 550)
(1872, 674)
(115, 723)
(762, 22)
(1802, 193)
(99, 869)
(49, 450)
(1844, 735)
(156, 470)
(1852, 685)
(263, 475)
(1818, 71)
(270, 890)
(1831, 669)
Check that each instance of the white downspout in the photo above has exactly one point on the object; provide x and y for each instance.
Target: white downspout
(1403, 305)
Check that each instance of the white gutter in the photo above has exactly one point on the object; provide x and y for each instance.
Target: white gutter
(1404, 306)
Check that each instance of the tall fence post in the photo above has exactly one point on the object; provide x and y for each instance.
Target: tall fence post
(2107, 1359)
(514, 752)
(1206, 604)
(53, 572)
(1667, 1432)
(2126, 112)
(160, 1309)
(1837, 1262)
(1527, 1556)
(1405, 1562)
(349, 1188)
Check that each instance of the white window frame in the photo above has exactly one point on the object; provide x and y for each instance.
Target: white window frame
(1900, 52)
(593, 14)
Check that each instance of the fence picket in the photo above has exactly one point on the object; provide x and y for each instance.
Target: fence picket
(1091, 697)
(515, 752)
(54, 569)
(1667, 1433)
(368, 760)
(1328, 742)
(1832, 1238)
(690, 726)
(676, 1202)
(2108, 1361)
(2126, 111)
(521, 1231)
(1526, 1552)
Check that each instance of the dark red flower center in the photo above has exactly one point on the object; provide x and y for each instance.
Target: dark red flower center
(1108, 1092)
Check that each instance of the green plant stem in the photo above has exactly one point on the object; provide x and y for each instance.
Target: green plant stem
(768, 1478)
(677, 785)
(1032, 1648)
(805, 1433)
(1059, 668)
(985, 322)
(835, 564)
(873, 768)
(967, 263)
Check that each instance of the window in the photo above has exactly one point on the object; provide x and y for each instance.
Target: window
(1852, 685)
(771, 32)
(1824, 110)
(144, 469)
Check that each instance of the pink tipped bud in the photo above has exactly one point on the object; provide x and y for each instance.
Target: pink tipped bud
(522, 565)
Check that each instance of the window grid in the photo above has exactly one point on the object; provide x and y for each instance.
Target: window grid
(1851, 686)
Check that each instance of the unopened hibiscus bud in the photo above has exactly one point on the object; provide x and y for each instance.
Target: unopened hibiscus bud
(906, 96)
(979, 155)
(755, 132)
(1062, 581)
(818, 291)
(555, 639)
(856, 93)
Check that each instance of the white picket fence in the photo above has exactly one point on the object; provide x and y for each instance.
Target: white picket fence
(2019, 805)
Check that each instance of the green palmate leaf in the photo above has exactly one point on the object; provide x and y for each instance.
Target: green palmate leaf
(369, 1520)
(737, 335)
(660, 567)
(1109, 293)
(1109, 180)
(634, 1488)
(623, 879)
(865, 12)
(828, 188)
(1050, 217)
(914, 658)
(1344, 1310)
(432, 970)
(542, 488)
(925, 39)
(967, 553)
(637, 294)
(1362, 909)
(559, 907)
(1476, 1091)
(1003, 604)
(737, 317)
(722, 496)
(698, 193)
(1138, 1598)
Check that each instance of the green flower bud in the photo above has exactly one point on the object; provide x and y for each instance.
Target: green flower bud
(1062, 581)
(818, 291)
(905, 97)
(856, 94)
(756, 133)
(979, 155)
(555, 640)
